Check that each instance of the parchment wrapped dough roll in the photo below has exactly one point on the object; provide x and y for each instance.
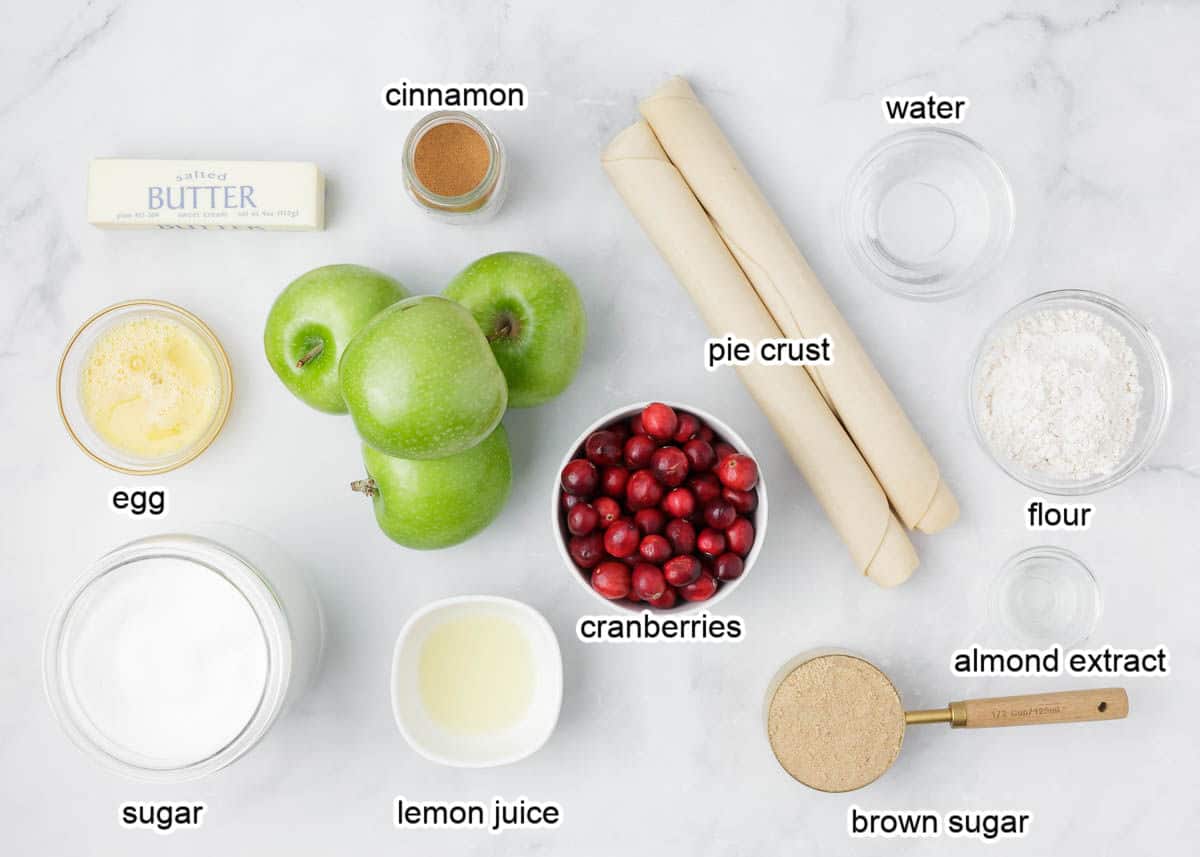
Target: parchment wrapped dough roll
(661, 201)
(800, 306)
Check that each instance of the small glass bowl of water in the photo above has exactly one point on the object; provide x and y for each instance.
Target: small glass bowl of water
(927, 214)
(1045, 595)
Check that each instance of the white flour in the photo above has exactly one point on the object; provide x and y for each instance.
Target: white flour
(1059, 394)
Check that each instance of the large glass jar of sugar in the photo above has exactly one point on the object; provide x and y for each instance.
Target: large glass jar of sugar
(174, 655)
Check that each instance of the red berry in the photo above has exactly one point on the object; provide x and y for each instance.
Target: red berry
(681, 570)
(608, 509)
(738, 471)
(587, 550)
(582, 519)
(711, 542)
(728, 566)
(719, 513)
(660, 421)
(621, 539)
(680, 503)
(635, 425)
(612, 580)
(723, 450)
(687, 428)
(649, 521)
(740, 536)
(706, 487)
(603, 447)
(744, 501)
(569, 500)
(655, 549)
(681, 535)
(612, 481)
(705, 434)
(700, 589)
(638, 450)
(700, 455)
(665, 601)
(642, 491)
(669, 465)
(580, 478)
(648, 581)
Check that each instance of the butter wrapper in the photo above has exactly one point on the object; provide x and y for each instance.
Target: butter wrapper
(205, 195)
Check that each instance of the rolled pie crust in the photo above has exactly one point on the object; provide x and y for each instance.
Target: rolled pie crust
(800, 306)
(656, 193)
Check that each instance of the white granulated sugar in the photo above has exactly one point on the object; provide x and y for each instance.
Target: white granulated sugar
(1059, 394)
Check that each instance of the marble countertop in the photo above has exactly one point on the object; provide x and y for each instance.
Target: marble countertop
(1093, 108)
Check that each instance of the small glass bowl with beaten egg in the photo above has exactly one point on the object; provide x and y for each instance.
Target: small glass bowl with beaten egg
(144, 387)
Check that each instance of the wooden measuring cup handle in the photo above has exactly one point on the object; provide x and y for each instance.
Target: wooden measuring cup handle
(1072, 706)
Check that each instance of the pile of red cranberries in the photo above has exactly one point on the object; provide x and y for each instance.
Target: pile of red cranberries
(657, 508)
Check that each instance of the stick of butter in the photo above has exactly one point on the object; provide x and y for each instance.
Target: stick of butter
(205, 195)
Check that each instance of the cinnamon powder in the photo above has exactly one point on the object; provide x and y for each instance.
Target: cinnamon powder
(835, 723)
(451, 159)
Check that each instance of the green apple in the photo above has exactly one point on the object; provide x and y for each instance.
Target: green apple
(421, 381)
(439, 502)
(313, 320)
(532, 315)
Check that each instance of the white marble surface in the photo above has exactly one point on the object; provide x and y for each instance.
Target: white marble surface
(1094, 110)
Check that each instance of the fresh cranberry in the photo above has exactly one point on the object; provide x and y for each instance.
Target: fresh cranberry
(621, 430)
(655, 549)
(728, 566)
(665, 601)
(706, 487)
(681, 535)
(710, 541)
(580, 478)
(700, 455)
(621, 538)
(649, 521)
(738, 471)
(669, 465)
(603, 448)
(700, 589)
(687, 428)
(681, 570)
(612, 580)
(648, 581)
(587, 550)
(660, 421)
(569, 500)
(740, 535)
(643, 491)
(719, 513)
(582, 519)
(723, 450)
(744, 502)
(608, 509)
(705, 434)
(680, 503)
(635, 425)
(612, 481)
(638, 450)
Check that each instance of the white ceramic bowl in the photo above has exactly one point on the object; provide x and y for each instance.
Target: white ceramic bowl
(476, 751)
(758, 517)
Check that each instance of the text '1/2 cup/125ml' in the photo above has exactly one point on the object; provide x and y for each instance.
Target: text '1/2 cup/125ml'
(174, 655)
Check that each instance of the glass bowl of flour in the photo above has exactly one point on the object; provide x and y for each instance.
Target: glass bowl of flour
(1070, 392)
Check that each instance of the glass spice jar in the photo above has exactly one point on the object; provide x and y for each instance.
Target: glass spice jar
(455, 168)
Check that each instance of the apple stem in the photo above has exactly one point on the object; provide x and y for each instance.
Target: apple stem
(364, 486)
(313, 354)
(506, 326)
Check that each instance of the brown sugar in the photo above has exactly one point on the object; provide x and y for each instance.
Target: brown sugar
(835, 723)
(451, 159)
